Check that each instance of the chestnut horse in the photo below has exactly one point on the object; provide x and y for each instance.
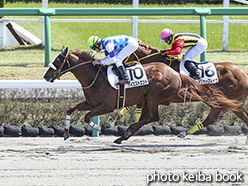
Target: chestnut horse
(233, 81)
(165, 86)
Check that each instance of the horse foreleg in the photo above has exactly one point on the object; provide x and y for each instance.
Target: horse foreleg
(99, 110)
(81, 106)
(211, 118)
(146, 117)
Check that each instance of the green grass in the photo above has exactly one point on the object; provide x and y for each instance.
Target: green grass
(27, 62)
(75, 35)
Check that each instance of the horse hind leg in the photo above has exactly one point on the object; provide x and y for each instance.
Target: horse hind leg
(146, 117)
(123, 112)
(243, 115)
(211, 118)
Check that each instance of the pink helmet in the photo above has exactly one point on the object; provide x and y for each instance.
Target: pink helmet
(165, 33)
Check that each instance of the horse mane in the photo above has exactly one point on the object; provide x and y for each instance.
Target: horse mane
(84, 55)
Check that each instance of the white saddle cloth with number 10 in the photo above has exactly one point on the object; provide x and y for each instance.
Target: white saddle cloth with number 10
(136, 74)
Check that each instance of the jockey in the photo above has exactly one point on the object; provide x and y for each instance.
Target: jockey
(179, 41)
(116, 49)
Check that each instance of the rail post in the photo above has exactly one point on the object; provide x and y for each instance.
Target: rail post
(203, 12)
(203, 34)
(47, 41)
(96, 120)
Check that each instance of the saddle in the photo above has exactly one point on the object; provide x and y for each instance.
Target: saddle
(136, 75)
(207, 71)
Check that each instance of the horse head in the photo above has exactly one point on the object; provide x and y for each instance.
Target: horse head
(59, 65)
(67, 61)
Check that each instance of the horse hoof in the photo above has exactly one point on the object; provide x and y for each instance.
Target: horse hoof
(127, 135)
(182, 134)
(117, 123)
(66, 136)
(117, 141)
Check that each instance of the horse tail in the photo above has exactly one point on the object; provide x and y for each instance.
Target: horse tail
(207, 93)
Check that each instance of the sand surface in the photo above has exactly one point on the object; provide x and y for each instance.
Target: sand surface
(159, 160)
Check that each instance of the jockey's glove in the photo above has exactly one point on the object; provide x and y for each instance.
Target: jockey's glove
(163, 52)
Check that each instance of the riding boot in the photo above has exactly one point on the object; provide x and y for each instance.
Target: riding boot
(123, 77)
(190, 66)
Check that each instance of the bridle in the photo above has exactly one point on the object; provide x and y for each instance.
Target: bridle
(58, 71)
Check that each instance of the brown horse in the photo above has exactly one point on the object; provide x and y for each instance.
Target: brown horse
(165, 86)
(233, 81)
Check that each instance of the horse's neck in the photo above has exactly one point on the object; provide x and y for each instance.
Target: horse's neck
(170, 61)
(85, 73)
(173, 63)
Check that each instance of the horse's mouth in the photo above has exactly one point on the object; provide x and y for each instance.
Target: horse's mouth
(49, 79)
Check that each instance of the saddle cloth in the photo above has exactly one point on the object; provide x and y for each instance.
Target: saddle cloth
(207, 71)
(136, 74)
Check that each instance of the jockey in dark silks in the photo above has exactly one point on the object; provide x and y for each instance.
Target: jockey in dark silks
(179, 41)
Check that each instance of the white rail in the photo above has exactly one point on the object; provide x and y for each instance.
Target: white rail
(29, 84)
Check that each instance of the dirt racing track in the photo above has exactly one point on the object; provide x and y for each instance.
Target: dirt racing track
(142, 160)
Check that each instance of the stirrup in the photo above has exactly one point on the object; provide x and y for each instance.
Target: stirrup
(124, 81)
(197, 76)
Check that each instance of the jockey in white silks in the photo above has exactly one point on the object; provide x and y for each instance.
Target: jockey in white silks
(116, 49)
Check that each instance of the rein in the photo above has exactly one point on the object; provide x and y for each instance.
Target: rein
(59, 73)
(139, 59)
(78, 65)
(94, 80)
(172, 59)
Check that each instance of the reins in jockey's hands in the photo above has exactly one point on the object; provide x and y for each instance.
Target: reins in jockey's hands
(97, 62)
(163, 52)
(116, 49)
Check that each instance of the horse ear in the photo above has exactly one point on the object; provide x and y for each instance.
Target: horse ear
(64, 50)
